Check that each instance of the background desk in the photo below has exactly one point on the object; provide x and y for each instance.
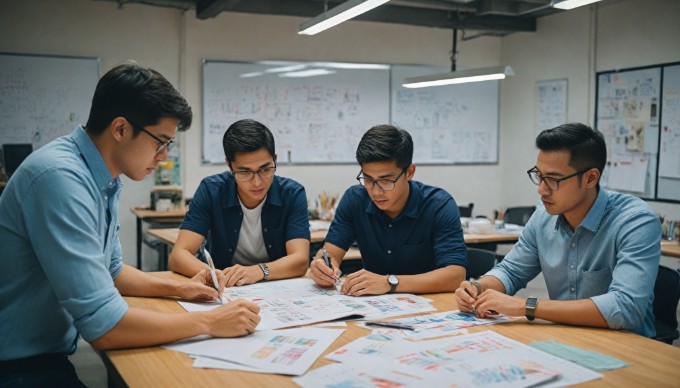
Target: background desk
(670, 248)
(654, 364)
(146, 215)
(169, 236)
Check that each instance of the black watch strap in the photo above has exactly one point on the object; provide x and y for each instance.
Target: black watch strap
(530, 308)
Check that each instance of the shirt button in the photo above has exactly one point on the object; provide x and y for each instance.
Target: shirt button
(389, 252)
(572, 267)
(390, 225)
(265, 230)
(234, 230)
(229, 249)
(270, 245)
(573, 289)
(573, 245)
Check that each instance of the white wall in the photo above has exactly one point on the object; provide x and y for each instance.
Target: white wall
(572, 44)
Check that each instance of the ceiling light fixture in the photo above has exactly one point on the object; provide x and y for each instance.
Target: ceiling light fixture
(337, 15)
(458, 77)
(569, 4)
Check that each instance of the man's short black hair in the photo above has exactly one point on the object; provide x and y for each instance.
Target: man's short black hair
(141, 94)
(247, 136)
(384, 143)
(586, 145)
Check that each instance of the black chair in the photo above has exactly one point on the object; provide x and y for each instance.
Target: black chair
(480, 261)
(466, 211)
(666, 295)
(518, 215)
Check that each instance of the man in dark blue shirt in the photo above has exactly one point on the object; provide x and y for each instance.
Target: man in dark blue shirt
(409, 234)
(255, 222)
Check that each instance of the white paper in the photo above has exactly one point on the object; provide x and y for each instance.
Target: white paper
(289, 352)
(479, 359)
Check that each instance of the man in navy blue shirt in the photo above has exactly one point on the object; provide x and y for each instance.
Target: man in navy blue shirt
(409, 234)
(256, 223)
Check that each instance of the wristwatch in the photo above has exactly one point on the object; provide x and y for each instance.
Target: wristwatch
(393, 280)
(530, 308)
(265, 270)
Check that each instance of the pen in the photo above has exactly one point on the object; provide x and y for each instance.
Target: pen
(327, 260)
(392, 325)
(211, 264)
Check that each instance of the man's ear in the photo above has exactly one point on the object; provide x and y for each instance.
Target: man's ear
(410, 171)
(592, 177)
(117, 128)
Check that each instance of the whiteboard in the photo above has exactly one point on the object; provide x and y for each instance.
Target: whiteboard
(44, 97)
(627, 115)
(451, 124)
(314, 118)
(669, 144)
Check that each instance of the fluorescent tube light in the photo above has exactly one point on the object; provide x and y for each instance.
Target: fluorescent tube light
(569, 4)
(459, 77)
(306, 73)
(337, 15)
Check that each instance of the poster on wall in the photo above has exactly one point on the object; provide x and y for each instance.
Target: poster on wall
(550, 103)
(628, 116)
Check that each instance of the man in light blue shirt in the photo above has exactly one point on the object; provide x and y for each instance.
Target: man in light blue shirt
(598, 250)
(63, 273)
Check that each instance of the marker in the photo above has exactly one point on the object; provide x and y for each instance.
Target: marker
(392, 325)
(211, 264)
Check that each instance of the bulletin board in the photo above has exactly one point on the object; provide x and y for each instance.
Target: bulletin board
(44, 97)
(637, 112)
(318, 111)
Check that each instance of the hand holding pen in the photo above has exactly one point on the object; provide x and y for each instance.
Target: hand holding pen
(211, 264)
(327, 260)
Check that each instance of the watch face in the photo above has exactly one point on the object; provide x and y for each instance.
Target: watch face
(393, 280)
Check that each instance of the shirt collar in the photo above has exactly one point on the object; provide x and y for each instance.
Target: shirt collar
(594, 217)
(410, 209)
(93, 158)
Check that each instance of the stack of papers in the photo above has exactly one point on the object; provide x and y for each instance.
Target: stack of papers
(296, 302)
(289, 352)
(484, 359)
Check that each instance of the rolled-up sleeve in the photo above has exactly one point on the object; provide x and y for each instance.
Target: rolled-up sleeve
(625, 304)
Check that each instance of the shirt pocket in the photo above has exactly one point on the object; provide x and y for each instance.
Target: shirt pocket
(596, 282)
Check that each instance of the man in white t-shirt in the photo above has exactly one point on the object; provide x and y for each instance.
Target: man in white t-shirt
(255, 222)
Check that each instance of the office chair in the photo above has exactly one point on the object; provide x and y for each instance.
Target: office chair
(480, 261)
(466, 211)
(666, 295)
(518, 215)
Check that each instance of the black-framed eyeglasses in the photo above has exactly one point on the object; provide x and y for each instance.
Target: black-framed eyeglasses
(552, 183)
(161, 144)
(384, 183)
(247, 176)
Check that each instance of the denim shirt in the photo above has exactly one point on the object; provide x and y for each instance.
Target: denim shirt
(427, 235)
(611, 258)
(215, 213)
(59, 250)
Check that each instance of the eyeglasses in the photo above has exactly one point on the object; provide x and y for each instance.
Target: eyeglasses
(552, 183)
(247, 176)
(161, 144)
(384, 184)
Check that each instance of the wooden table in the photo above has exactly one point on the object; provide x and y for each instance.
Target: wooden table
(145, 215)
(670, 248)
(653, 364)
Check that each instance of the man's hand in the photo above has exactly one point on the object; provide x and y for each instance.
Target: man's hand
(234, 319)
(201, 287)
(364, 282)
(492, 302)
(239, 275)
(321, 273)
(466, 296)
